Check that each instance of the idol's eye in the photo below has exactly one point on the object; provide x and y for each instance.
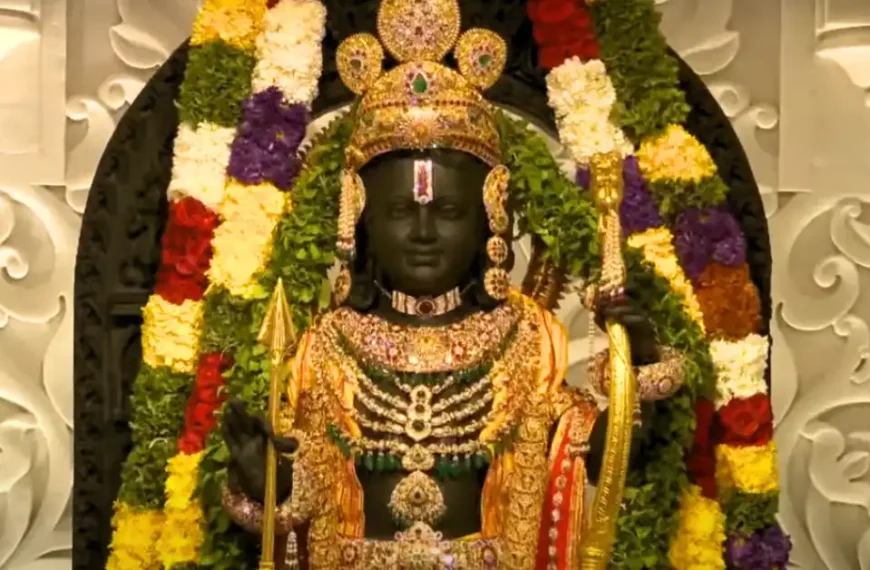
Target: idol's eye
(448, 210)
(399, 209)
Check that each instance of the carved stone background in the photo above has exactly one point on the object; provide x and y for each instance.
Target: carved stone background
(793, 75)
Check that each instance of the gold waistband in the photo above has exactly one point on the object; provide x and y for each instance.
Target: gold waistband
(419, 548)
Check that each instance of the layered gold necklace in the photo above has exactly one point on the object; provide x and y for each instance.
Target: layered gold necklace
(428, 417)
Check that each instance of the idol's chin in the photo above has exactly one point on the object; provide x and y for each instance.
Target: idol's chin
(426, 282)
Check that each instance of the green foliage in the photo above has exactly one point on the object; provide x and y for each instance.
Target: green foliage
(646, 78)
(748, 513)
(552, 207)
(158, 401)
(303, 251)
(216, 83)
(144, 473)
(304, 248)
(674, 196)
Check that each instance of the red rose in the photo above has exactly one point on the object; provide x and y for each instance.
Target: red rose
(201, 417)
(176, 288)
(704, 416)
(701, 465)
(747, 421)
(209, 373)
(552, 11)
(195, 256)
(191, 442)
(563, 33)
(709, 487)
(191, 213)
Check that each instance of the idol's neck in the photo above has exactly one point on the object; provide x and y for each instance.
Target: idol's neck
(449, 308)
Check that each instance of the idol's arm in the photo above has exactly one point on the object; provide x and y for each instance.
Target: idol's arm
(655, 382)
(246, 437)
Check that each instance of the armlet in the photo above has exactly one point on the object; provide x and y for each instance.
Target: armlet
(656, 381)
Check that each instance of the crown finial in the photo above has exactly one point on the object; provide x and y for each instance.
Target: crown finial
(419, 30)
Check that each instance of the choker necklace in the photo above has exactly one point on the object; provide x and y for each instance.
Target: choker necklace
(425, 307)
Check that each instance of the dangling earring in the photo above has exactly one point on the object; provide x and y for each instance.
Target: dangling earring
(496, 281)
(351, 205)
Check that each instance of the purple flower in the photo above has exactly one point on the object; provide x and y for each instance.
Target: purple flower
(638, 211)
(763, 550)
(265, 148)
(705, 235)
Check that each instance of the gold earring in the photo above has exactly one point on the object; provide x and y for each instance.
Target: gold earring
(351, 205)
(496, 281)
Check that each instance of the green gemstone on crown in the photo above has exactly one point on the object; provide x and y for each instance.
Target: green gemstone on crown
(484, 60)
(419, 84)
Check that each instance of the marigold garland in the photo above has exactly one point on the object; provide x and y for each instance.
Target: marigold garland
(699, 540)
(243, 242)
(217, 72)
(170, 334)
(750, 469)
(657, 247)
(675, 155)
(134, 539)
(182, 533)
(290, 61)
(237, 22)
(729, 301)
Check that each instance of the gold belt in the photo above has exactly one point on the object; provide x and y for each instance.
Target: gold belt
(419, 548)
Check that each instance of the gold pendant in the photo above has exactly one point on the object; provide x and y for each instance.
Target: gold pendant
(417, 498)
(419, 412)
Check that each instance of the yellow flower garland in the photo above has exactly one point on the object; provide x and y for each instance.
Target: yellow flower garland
(751, 469)
(134, 539)
(170, 334)
(237, 22)
(701, 534)
(657, 247)
(243, 242)
(181, 537)
(675, 155)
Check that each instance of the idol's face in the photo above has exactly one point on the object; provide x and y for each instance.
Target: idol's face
(425, 219)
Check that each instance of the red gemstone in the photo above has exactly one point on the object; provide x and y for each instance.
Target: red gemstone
(425, 307)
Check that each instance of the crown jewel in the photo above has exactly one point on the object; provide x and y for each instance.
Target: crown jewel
(422, 103)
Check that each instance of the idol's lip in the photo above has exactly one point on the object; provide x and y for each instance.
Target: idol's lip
(423, 252)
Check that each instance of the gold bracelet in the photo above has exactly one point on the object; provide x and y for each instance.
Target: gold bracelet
(248, 513)
(656, 381)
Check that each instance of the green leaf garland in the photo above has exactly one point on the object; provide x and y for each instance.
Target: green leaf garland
(217, 82)
(158, 401)
(232, 326)
(635, 53)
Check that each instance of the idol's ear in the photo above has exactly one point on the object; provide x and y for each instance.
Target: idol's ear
(481, 56)
(360, 61)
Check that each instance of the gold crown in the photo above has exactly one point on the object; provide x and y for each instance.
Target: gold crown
(421, 103)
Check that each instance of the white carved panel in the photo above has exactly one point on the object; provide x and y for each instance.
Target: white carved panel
(793, 76)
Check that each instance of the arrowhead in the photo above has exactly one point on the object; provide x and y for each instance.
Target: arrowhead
(277, 331)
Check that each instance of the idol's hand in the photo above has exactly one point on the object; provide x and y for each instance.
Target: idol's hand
(246, 436)
(641, 333)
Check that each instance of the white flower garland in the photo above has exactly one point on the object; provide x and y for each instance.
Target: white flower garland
(200, 163)
(739, 368)
(582, 97)
(289, 52)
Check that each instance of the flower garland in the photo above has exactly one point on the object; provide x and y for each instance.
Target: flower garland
(215, 278)
(258, 169)
(632, 94)
(155, 486)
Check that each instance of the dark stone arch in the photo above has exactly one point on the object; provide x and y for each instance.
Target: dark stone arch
(119, 246)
